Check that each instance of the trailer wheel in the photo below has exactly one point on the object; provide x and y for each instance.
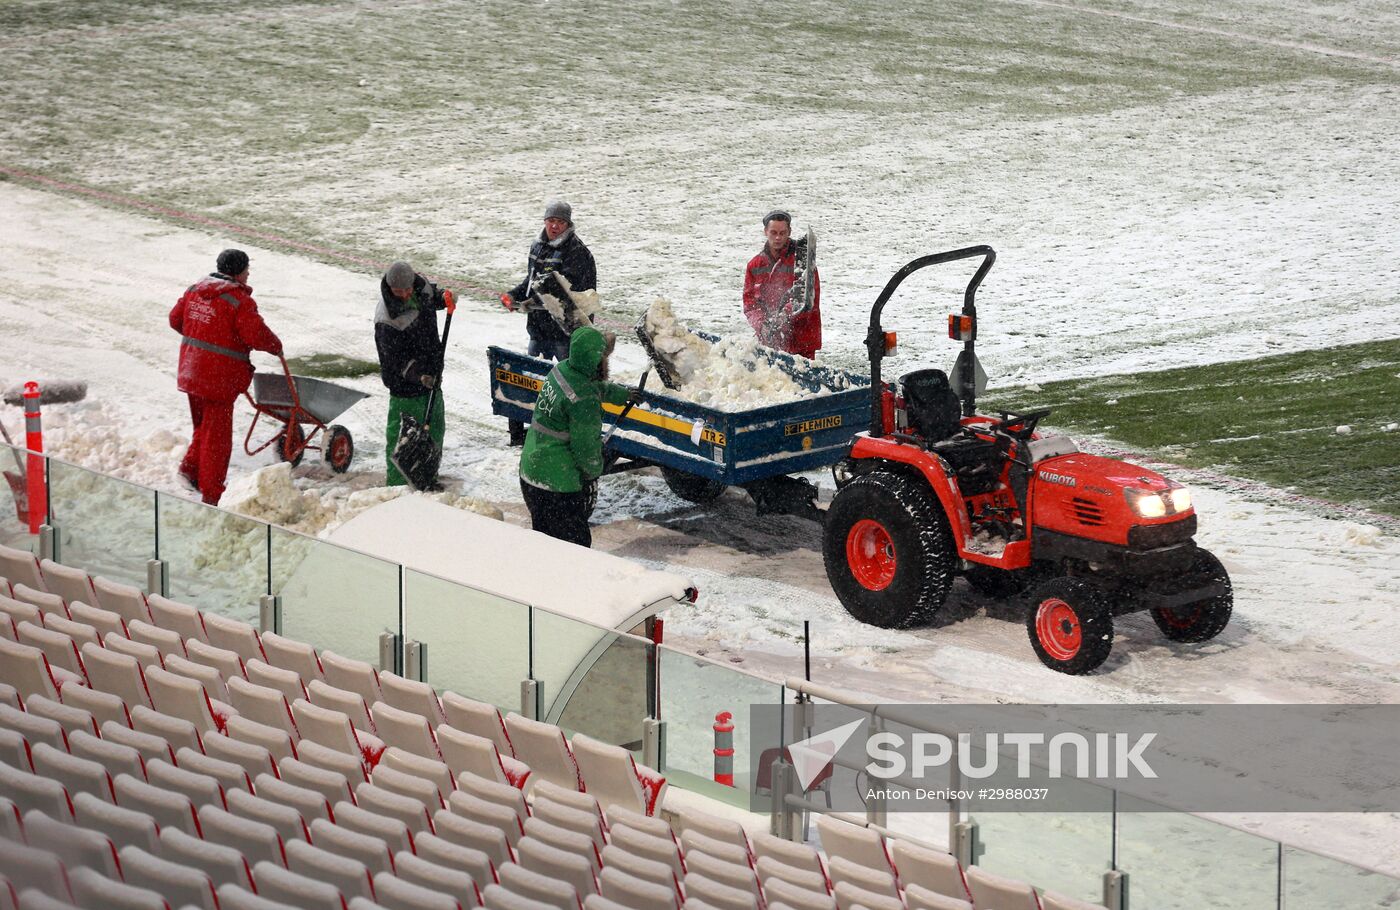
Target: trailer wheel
(291, 444)
(889, 556)
(692, 488)
(340, 448)
(1204, 619)
(1070, 625)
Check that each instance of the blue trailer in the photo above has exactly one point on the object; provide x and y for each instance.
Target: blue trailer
(702, 450)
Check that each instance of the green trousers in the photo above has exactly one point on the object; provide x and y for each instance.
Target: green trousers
(418, 407)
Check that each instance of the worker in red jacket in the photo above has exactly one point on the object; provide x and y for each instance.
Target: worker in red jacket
(219, 324)
(769, 302)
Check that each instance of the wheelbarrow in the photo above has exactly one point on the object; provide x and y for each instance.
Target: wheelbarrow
(304, 407)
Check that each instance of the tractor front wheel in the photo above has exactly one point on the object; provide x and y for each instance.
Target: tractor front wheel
(889, 556)
(1204, 619)
(1070, 625)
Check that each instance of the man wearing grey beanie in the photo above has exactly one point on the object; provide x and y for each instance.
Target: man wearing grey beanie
(558, 250)
(410, 354)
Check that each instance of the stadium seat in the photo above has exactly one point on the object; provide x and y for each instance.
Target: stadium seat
(256, 841)
(543, 859)
(398, 894)
(125, 601)
(1050, 900)
(33, 728)
(185, 698)
(875, 881)
(18, 611)
(74, 846)
(351, 675)
(333, 785)
(117, 674)
(448, 855)
(67, 582)
(933, 870)
(122, 826)
(30, 791)
(629, 891)
(92, 889)
(102, 706)
(27, 669)
(59, 648)
(178, 732)
(474, 835)
(166, 807)
(992, 890)
(180, 885)
(275, 740)
(348, 876)
(201, 789)
(615, 857)
(412, 696)
(309, 804)
(232, 635)
(103, 621)
(392, 831)
(649, 847)
(425, 792)
(778, 891)
(264, 674)
(739, 876)
(75, 773)
(367, 849)
(389, 804)
(862, 846)
(115, 757)
(351, 766)
(323, 695)
(182, 619)
(615, 778)
(82, 633)
(434, 772)
(21, 567)
(454, 883)
(229, 664)
(48, 604)
(262, 705)
(543, 747)
(497, 897)
(71, 719)
(495, 792)
(30, 867)
(224, 865)
(589, 824)
(850, 897)
(278, 884)
(287, 654)
(232, 898)
(477, 718)
(14, 750)
(694, 822)
(252, 758)
(781, 850)
(770, 870)
(147, 745)
(566, 840)
(165, 641)
(917, 897)
(333, 730)
(503, 818)
(208, 677)
(467, 753)
(285, 819)
(404, 729)
(543, 888)
(726, 850)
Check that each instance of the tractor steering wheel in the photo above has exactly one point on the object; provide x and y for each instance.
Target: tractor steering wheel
(1025, 424)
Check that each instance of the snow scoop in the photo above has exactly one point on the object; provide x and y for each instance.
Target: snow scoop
(416, 455)
(18, 483)
(803, 288)
(548, 288)
(664, 368)
(626, 409)
(57, 391)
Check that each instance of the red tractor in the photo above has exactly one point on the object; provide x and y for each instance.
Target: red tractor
(933, 490)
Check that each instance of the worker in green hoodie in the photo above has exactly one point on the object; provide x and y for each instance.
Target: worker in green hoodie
(563, 454)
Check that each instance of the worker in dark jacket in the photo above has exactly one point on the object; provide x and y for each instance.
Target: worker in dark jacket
(563, 454)
(558, 249)
(219, 325)
(410, 354)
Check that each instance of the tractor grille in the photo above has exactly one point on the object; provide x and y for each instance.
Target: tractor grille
(1146, 537)
(1087, 511)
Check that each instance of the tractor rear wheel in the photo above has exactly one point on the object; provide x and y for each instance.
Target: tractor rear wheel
(691, 487)
(1204, 619)
(889, 556)
(1070, 625)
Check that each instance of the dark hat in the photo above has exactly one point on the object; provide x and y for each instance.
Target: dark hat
(777, 215)
(231, 263)
(557, 208)
(400, 275)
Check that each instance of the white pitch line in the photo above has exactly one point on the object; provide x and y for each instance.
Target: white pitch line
(1391, 62)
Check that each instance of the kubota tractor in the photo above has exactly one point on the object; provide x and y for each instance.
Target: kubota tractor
(933, 490)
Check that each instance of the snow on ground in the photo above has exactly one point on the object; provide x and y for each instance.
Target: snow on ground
(1176, 184)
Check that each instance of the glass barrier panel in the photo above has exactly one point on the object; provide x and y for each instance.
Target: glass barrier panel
(217, 560)
(1313, 882)
(14, 502)
(592, 680)
(478, 644)
(105, 526)
(1176, 861)
(1066, 850)
(693, 691)
(334, 598)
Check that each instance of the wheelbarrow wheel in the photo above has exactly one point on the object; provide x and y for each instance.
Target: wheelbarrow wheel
(291, 445)
(340, 448)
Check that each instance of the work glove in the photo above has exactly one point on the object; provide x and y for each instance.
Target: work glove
(449, 300)
(428, 380)
(508, 302)
(634, 396)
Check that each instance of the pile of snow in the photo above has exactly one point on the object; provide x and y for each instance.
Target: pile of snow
(733, 374)
(271, 495)
(91, 436)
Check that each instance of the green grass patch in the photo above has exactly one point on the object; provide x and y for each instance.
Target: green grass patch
(1274, 419)
(332, 366)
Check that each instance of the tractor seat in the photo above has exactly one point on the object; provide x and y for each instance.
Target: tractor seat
(933, 408)
(1049, 447)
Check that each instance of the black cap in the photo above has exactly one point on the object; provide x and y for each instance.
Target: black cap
(232, 263)
(777, 215)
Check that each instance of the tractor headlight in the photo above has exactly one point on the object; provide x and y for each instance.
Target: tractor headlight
(1181, 499)
(1146, 503)
(1158, 503)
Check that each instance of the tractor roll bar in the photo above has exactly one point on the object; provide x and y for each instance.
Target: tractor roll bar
(875, 336)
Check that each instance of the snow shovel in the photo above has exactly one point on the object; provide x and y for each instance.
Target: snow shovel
(664, 368)
(59, 391)
(18, 484)
(416, 455)
(609, 458)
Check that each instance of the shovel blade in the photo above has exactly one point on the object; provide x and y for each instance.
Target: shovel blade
(20, 490)
(416, 455)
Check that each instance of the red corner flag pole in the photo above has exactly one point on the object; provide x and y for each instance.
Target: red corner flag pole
(34, 442)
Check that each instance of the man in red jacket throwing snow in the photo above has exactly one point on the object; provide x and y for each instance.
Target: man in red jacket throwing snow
(219, 324)
(768, 298)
